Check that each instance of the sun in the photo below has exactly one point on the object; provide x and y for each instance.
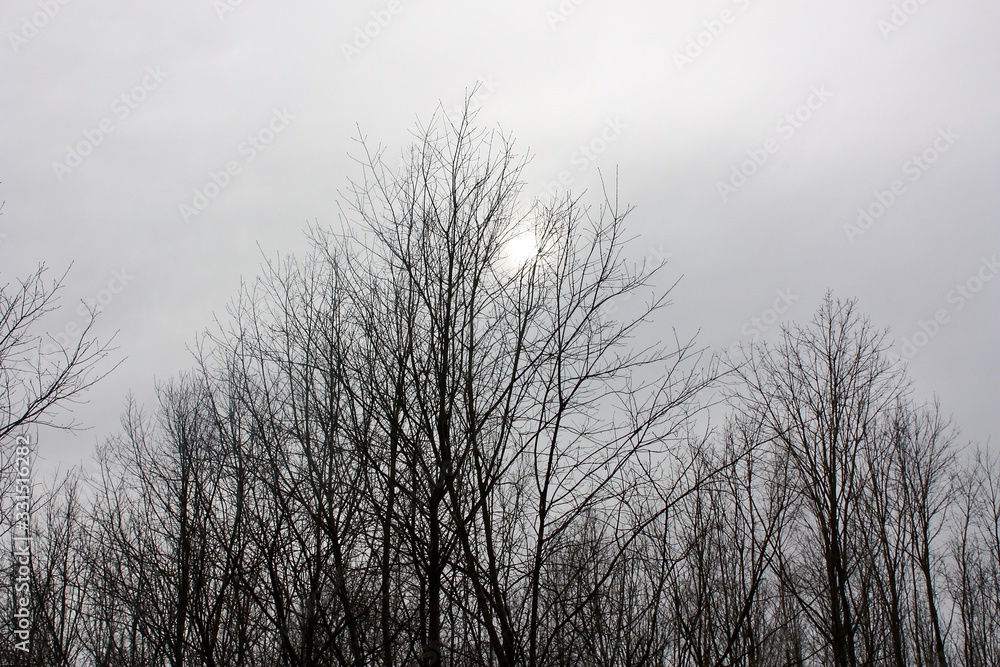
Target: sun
(521, 248)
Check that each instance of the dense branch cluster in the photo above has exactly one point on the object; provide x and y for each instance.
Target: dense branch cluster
(411, 448)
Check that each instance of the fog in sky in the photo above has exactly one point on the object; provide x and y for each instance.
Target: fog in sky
(773, 150)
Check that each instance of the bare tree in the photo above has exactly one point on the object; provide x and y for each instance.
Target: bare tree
(36, 384)
(823, 391)
(926, 459)
(40, 377)
(975, 582)
(430, 426)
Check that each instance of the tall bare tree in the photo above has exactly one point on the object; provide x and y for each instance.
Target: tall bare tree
(429, 419)
(823, 391)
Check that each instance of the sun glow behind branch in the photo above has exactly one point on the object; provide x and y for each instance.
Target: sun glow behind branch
(520, 249)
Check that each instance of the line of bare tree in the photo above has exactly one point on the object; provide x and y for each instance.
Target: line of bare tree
(412, 448)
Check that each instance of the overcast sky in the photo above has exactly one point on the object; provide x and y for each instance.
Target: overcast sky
(747, 133)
